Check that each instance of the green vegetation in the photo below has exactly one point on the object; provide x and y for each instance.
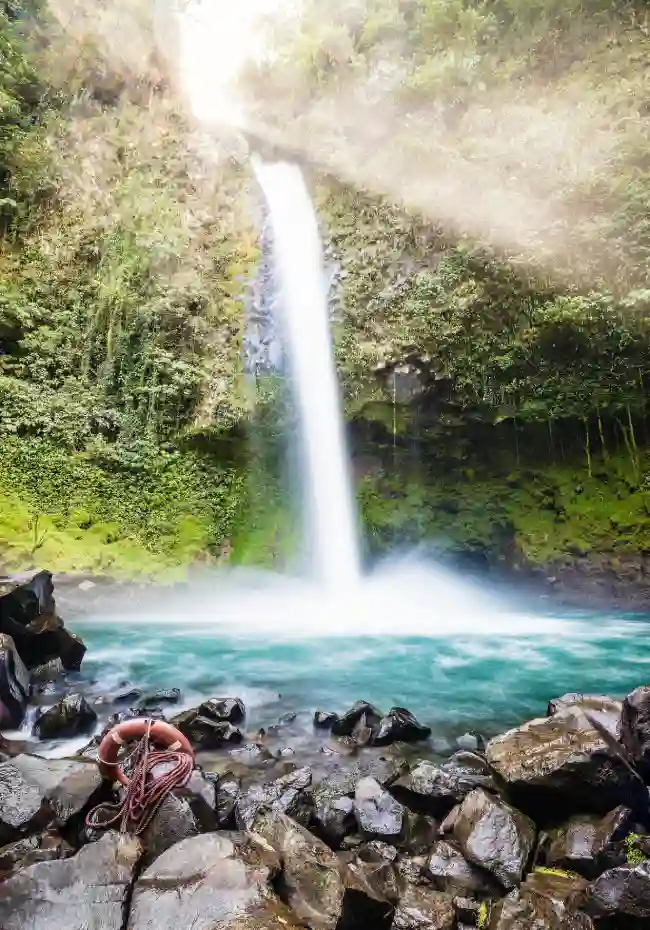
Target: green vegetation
(634, 853)
(484, 189)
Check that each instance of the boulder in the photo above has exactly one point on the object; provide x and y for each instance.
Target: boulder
(421, 908)
(604, 708)
(324, 721)
(200, 792)
(73, 716)
(35, 792)
(495, 836)
(558, 764)
(421, 832)
(286, 794)
(28, 615)
(162, 696)
(546, 901)
(333, 820)
(399, 726)
(206, 733)
(371, 887)
(436, 789)
(580, 843)
(130, 696)
(635, 728)
(311, 882)
(14, 684)
(172, 822)
(223, 710)
(448, 870)
(88, 890)
(228, 792)
(25, 852)
(622, 894)
(345, 725)
(217, 881)
(378, 815)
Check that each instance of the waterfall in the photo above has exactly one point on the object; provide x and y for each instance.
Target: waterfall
(330, 513)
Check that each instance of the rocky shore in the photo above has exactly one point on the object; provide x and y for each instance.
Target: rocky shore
(544, 827)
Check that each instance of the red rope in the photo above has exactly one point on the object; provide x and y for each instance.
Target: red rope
(145, 792)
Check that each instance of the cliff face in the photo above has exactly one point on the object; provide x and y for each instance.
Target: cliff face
(481, 177)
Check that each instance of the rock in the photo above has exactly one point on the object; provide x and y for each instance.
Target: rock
(224, 710)
(200, 792)
(35, 792)
(399, 726)
(420, 908)
(324, 721)
(635, 728)
(205, 733)
(449, 871)
(580, 843)
(217, 881)
(89, 890)
(435, 789)
(546, 901)
(252, 755)
(471, 742)
(597, 703)
(468, 911)
(25, 852)
(622, 893)
(345, 725)
(127, 696)
(420, 833)
(163, 696)
(228, 792)
(172, 822)
(311, 877)
(561, 763)
(495, 836)
(14, 684)
(333, 820)
(286, 794)
(72, 716)
(371, 887)
(379, 816)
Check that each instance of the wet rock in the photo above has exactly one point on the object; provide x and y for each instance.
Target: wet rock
(371, 888)
(311, 881)
(223, 710)
(72, 716)
(205, 733)
(471, 742)
(333, 820)
(580, 844)
(35, 792)
(420, 833)
(88, 890)
(379, 816)
(448, 870)
(217, 881)
(162, 696)
(635, 728)
(598, 703)
(252, 755)
(48, 674)
(421, 908)
(324, 721)
(128, 696)
(31, 849)
(228, 792)
(622, 893)
(495, 836)
(399, 726)
(436, 789)
(468, 911)
(173, 822)
(561, 763)
(546, 901)
(345, 725)
(14, 684)
(287, 794)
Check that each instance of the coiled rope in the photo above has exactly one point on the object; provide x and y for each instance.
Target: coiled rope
(146, 791)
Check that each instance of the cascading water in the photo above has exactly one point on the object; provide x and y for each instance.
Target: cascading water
(331, 521)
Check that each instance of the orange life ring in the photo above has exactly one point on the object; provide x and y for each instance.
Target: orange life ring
(158, 731)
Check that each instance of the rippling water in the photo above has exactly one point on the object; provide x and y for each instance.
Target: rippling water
(458, 656)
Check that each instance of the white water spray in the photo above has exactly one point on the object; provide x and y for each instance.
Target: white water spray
(331, 521)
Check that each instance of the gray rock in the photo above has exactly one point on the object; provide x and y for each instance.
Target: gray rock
(371, 887)
(286, 794)
(346, 724)
(35, 792)
(580, 844)
(379, 816)
(162, 696)
(205, 733)
(564, 762)
(421, 908)
(228, 792)
(546, 901)
(73, 716)
(14, 684)
(495, 836)
(200, 793)
(223, 710)
(172, 822)
(448, 870)
(25, 852)
(311, 878)
(635, 728)
(436, 789)
(333, 820)
(217, 881)
(622, 893)
(86, 892)
(399, 726)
